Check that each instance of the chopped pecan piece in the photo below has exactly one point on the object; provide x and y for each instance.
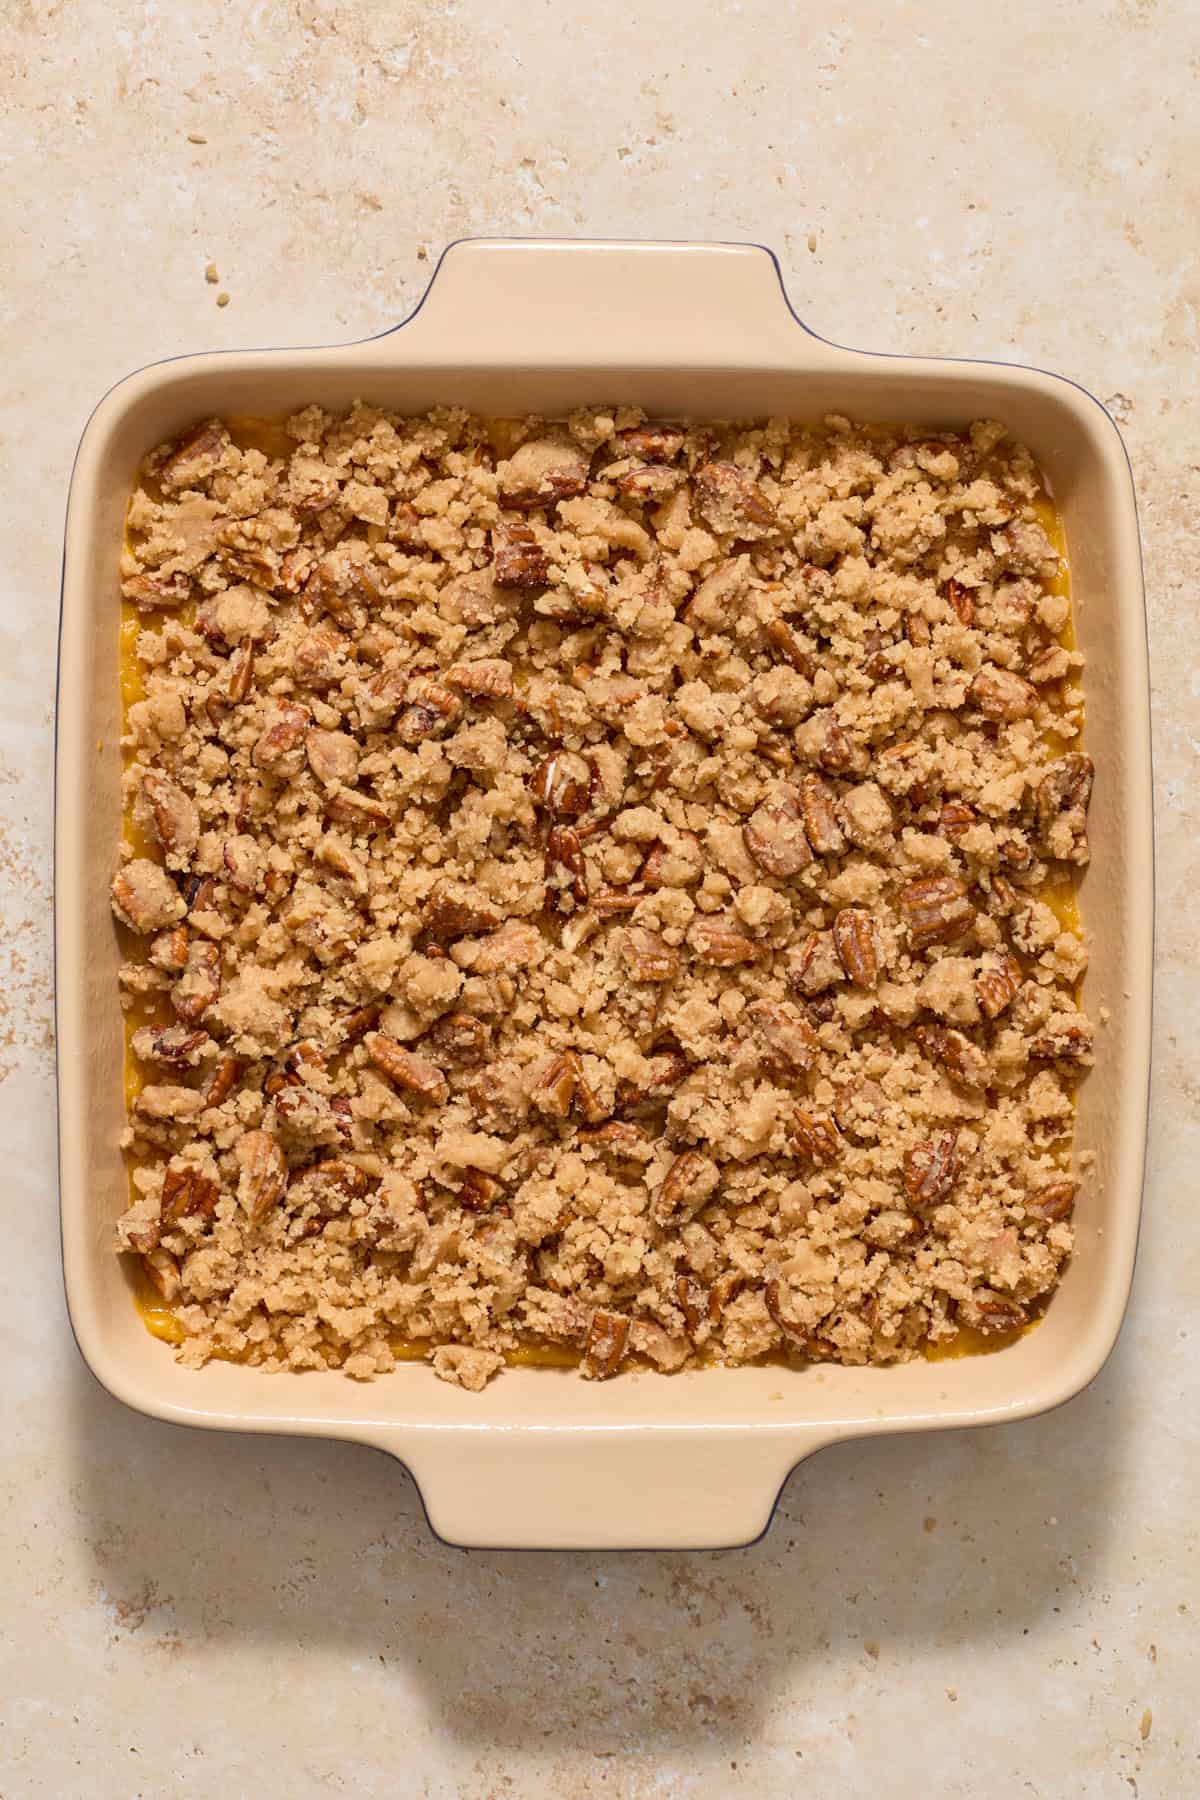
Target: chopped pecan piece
(284, 733)
(430, 715)
(713, 940)
(335, 855)
(857, 945)
(693, 1303)
(516, 945)
(361, 812)
(896, 769)
(447, 917)
(241, 672)
(654, 443)
(687, 1184)
(561, 784)
(961, 1059)
(562, 1084)
(1005, 899)
(773, 1300)
(955, 818)
(175, 815)
(263, 1174)
(716, 600)
(962, 600)
(479, 1190)
(541, 472)
(195, 457)
(154, 591)
(820, 817)
(320, 659)
(169, 949)
(168, 1103)
(144, 897)
(619, 1137)
(564, 850)
(1016, 853)
(173, 1045)
(380, 698)
(554, 1089)
(815, 1135)
(225, 1075)
(999, 694)
(931, 1169)
(354, 1025)
(1067, 1041)
(312, 487)
(997, 984)
(1054, 1202)
(242, 857)
(996, 1312)
(1061, 802)
(649, 486)
(415, 1074)
(474, 599)
(199, 987)
(408, 529)
(678, 866)
(488, 679)
(729, 500)
(304, 1058)
(815, 966)
(162, 1272)
(1051, 664)
(774, 836)
(1027, 548)
(459, 1037)
(610, 903)
(926, 454)
(667, 1071)
(588, 1103)
(332, 757)
(784, 641)
(724, 1289)
(187, 1192)
(936, 909)
(607, 1338)
(649, 957)
(334, 1179)
(833, 750)
(859, 1107)
(199, 892)
(789, 1043)
(519, 560)
(250, 549)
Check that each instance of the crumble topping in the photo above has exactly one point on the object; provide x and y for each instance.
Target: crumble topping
(590, 884)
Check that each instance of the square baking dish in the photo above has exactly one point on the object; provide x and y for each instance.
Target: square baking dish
(542, 1459)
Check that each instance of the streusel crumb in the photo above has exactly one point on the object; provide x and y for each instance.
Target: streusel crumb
(594, 884)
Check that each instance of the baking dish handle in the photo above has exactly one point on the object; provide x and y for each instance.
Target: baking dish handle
(561, 301)
(589, 1488)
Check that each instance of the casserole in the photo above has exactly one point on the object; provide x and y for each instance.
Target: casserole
(540, 1460)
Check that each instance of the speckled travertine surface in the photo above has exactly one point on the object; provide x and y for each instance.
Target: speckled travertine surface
(1005, 1612)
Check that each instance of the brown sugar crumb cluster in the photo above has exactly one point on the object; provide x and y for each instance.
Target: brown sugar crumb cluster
(589, 884)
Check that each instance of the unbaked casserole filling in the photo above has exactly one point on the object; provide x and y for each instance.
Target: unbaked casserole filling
(597, 892)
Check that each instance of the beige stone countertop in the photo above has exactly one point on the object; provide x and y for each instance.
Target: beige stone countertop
(1001, 1613)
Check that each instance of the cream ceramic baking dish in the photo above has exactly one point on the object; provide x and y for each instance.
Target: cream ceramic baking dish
(541, 1459)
